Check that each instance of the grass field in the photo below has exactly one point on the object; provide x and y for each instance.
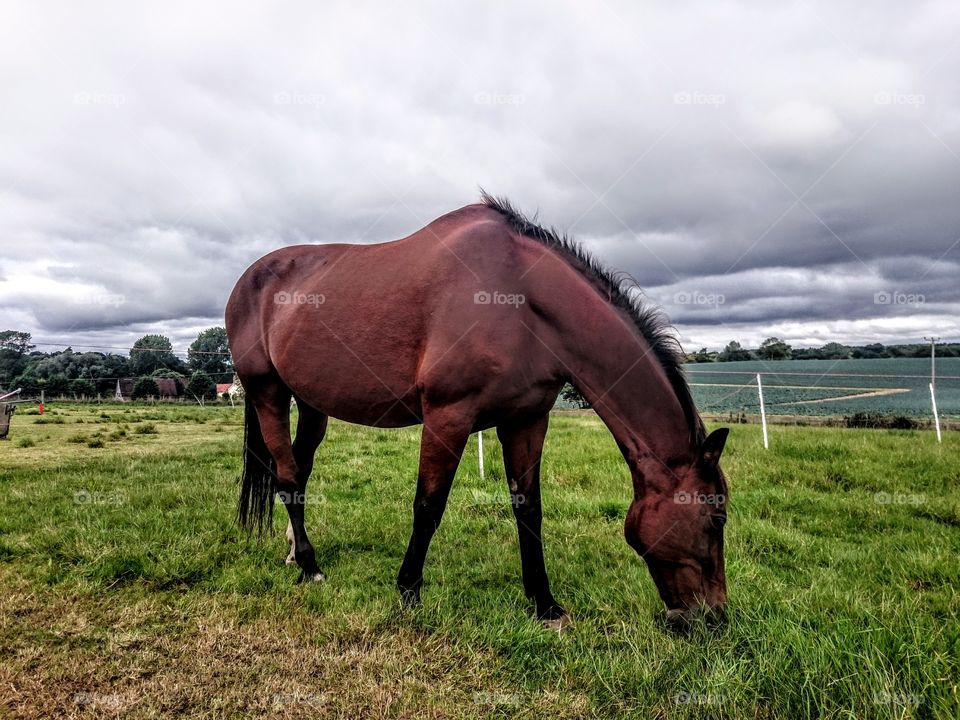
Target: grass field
(828, 387)
(127, 590)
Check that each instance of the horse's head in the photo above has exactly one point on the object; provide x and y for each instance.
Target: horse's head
(676, 524)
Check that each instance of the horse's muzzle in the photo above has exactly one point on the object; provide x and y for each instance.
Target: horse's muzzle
(682, 620)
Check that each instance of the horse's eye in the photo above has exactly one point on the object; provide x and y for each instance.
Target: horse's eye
(718, 521)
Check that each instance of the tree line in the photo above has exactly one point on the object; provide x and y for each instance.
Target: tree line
(774, 348)
(88, 374)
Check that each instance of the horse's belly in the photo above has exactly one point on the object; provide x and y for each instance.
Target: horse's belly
(358, 394)
(387, 413)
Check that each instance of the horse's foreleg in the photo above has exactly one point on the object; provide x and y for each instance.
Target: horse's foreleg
(522, 449)
(441, 446)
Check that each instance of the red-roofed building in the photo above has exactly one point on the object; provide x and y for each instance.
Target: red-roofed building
(168, 387)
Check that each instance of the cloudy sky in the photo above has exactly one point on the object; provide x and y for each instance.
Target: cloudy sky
(760, 168)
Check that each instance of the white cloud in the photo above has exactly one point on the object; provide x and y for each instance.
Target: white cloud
(154, 153)
(800, 127)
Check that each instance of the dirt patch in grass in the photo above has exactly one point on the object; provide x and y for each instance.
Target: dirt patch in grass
(80, 657)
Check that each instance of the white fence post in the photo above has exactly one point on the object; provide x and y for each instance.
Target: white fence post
(763, 413)
(480, 450)
(936, 417)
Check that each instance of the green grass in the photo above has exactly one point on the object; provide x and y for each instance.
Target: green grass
(128, 590)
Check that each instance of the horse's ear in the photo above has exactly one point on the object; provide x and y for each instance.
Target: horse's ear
(712, 447)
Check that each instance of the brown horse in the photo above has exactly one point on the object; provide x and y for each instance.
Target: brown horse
(475, 321)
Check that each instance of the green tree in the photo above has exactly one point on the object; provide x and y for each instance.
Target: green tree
(152, 352)
(166, 373)
(210, 352)
(201, 386)
(875, 350)
(16, 341)
(56, 385)
(701, 356)
(733, 352)
(571, 395)
(835, 351)
(145, 387)
(14, 346)
(29, 382)
(773, 348)
(81, 387)
(115, 366)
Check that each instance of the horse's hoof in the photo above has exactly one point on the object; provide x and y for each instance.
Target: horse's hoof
(291, 560)
(410, 598)
(559, 624)
(311, 577)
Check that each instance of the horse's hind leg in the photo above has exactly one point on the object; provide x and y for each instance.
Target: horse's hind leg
(311, 427)
(271, 399)
(292, 540)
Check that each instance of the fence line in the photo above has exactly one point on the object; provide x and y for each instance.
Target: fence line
(130, 349)
(756, 381)
(231, 373)
(816, 374)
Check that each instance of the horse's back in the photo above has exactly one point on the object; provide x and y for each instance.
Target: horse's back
(361, 332)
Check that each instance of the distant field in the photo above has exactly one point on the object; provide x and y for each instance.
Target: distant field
(827, 387)
(127, 591)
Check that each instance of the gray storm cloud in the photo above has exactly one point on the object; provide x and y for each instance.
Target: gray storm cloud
(800, 161)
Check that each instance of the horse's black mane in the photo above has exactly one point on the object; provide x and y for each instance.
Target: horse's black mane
(623, 293)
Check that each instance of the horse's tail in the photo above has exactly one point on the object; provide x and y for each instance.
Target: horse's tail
(258, 481)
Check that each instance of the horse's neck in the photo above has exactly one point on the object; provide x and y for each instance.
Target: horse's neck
(621, 377)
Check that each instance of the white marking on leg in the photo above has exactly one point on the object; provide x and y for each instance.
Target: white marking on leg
(292, 557)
